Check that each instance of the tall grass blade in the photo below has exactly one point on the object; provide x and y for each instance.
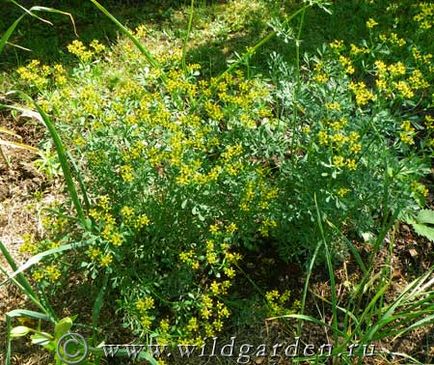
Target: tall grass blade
(306, 284)
(63, 158)
(5, 37)
(20, 146)
(35, 259)
(330, 270)
(8, 341)
(148, 55)
(21, 279)
(80, 182)
(187, 36)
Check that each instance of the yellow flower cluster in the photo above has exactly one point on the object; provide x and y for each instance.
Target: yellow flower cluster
(29, 245)
(425, 18)
(371, 23)
(392, 39)
(143, 306)
(212, 314)
(320, 76)
(37, 75)
(342, 192)
(407, 133)
(51, 273)
(361, 92)
(419, 189)
(266, 225)
(347, 65)
(77, 48)
(278, 303)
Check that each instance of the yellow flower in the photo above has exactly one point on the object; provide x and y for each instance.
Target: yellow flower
(323, 137)
(78, 49)
(371, 23)
(127, 212)
(52, 273)
(127, 173)
(231, 228)
(355, 148)
(404, 89)
(116, 239)
(214, 229)
(106, 260)
(338, 161)
(342, 192)
(230, 272)
(93, 253)
(144, 304)
(192, 325)
(363, 95)
(351, 164)
(346, 64)
(215, 288)
(142, 221)
(333, 106)
(397, 69)
(37, 276)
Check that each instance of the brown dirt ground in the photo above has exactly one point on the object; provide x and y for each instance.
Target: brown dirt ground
(18, 215)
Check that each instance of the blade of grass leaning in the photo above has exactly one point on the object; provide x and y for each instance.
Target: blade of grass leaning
(344, 310)
(18, 145)
(28, 12)
(35, 259)
(35, 300)
(330, 270)
(148, 55)
(352, 248)
(21, 279)
(8, 341)
(54, 11)
(46, 10)
(63, 159)
(4, 158)
(306, 285)
(17, 313)
(306, 318)
(80, 182)
(5, 37)
(23, 285)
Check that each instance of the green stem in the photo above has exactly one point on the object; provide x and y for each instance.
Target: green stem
(187, 36)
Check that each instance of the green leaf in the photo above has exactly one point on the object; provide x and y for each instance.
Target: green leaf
(9, 32)
(16, 313)
(423, 230)
(19, 331)
(62, 327)
(41, 339)
(425, 216)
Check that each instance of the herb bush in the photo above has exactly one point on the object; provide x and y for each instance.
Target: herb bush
(187, 174)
